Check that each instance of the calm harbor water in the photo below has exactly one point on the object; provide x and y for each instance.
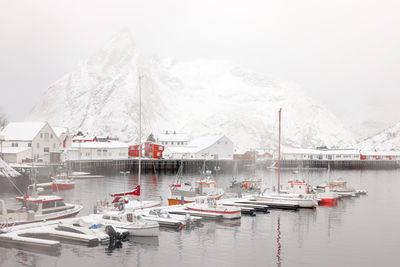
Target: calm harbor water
(362, 231)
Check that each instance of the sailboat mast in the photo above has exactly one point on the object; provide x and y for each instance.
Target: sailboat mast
(279, 153)
(140, 130)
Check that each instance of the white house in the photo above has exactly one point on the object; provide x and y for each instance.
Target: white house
(64, 136)
(38, 137)
(206, 147)
(172, 139)
(97, 151)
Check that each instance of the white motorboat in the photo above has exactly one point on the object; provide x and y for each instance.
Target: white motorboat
(303, 201)
(340, 187)
(328, 198)
(84, 228)
(36, 209)
(208, 204)
(125, 220)
(166, 219)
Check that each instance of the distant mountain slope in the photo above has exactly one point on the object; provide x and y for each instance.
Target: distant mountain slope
(199, 97)
(388, 139)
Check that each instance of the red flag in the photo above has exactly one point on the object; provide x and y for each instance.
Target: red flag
(135, 192)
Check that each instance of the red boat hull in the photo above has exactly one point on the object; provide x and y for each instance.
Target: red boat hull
(329, 201)
(58, 187)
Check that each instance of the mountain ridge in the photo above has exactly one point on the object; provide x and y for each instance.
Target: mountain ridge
(197, 97)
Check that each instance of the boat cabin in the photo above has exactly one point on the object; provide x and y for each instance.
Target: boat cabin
(299, 187)
(124, 217)
(338, 183)
(42, 204)
(206, 200)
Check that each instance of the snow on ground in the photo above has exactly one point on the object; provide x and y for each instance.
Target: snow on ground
(388, 139)
(201, 97)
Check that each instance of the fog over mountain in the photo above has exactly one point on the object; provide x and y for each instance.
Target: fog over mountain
(196, 97)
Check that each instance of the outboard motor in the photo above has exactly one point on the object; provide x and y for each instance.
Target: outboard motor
(116, 238)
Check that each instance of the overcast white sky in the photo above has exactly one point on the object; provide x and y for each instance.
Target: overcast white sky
(344, 53)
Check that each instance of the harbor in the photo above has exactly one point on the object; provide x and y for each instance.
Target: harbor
(298, 227)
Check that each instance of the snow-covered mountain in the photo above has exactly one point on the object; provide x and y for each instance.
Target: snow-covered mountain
(388, 139)
(198, 97)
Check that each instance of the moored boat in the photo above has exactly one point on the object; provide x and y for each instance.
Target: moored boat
(187, 192)
(208, 204)
(328, 197)
(62, 183)
(36, 209)
(134, 224)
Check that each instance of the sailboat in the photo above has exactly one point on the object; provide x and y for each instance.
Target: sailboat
(291, 198)
(121, 200)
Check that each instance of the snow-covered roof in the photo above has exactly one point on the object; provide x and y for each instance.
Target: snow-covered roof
(204, 141)
(6, 170)
(100, 145)
(86, 137)
(380, 153)
(196, 145)
(22, 131)
(168, 137)
(14, 150)
(60, 130)
(309, 151)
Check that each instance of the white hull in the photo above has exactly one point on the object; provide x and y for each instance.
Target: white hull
(142, 231)
(226, 212)
(303, 202)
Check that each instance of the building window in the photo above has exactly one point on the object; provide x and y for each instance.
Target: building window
(37, 145)
(51, 136)
(46, 149)
(29, 144)
(226, 142)
(14, 144)
(41, 135)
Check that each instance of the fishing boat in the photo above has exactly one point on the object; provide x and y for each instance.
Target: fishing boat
(340, 187)
(186, 192)
(244, 187)
(327, 198)
(36, 209)
(62, 182)
(209, 205)
(295, 194)
(136, 225)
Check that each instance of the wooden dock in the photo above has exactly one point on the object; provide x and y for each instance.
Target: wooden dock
(169, 166)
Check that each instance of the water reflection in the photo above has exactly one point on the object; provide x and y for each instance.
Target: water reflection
(26, 259)
(278, 241)
(333, 234)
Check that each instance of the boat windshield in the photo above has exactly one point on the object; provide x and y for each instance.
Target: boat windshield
(30, 205)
